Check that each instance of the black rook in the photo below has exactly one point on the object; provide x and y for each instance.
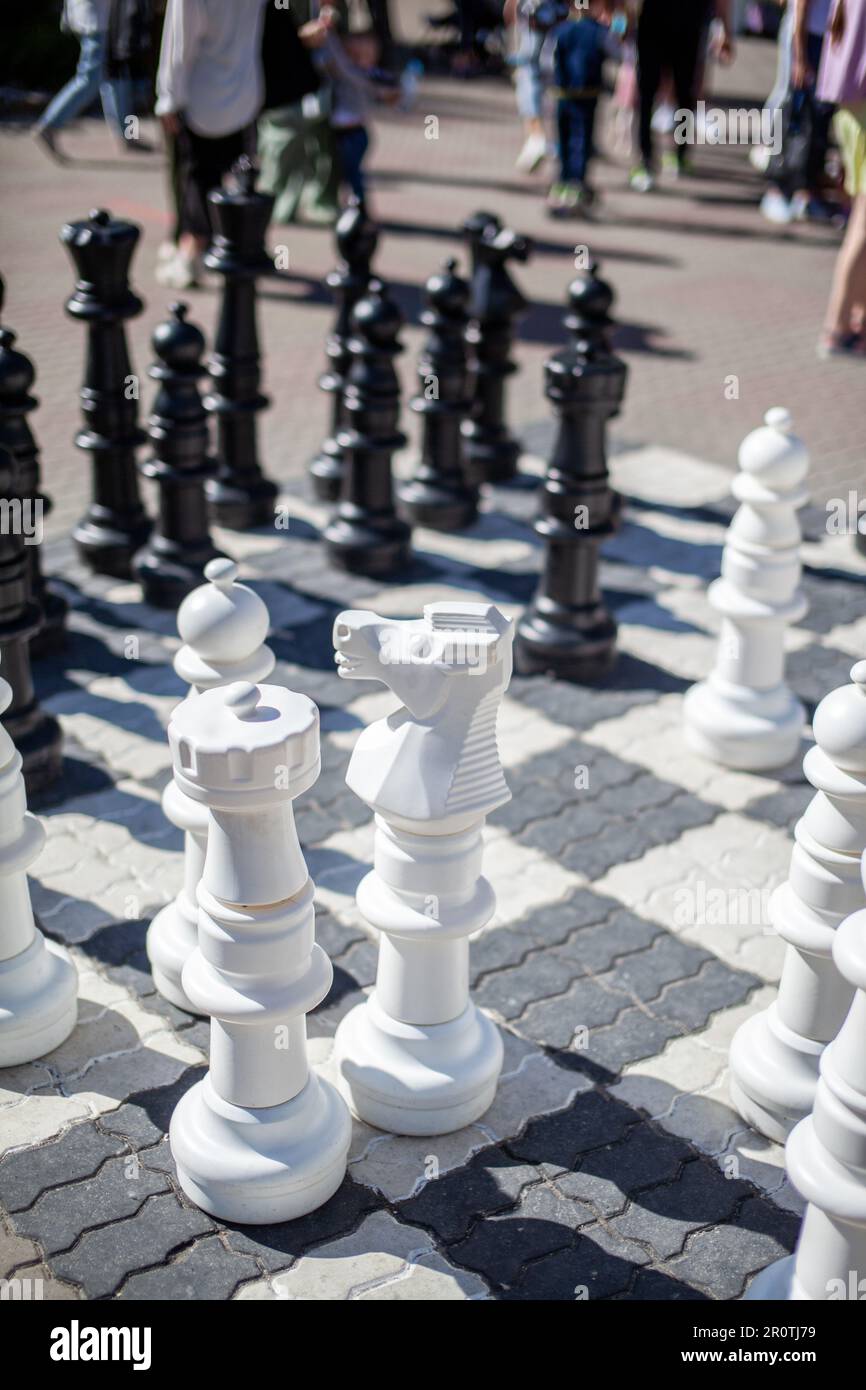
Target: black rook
(366, 535)
(439, 494)
(35, 734)
(172, 563)
(491, 450)
(115, 525)
(567, 630)
(356, 237)
(240, 495)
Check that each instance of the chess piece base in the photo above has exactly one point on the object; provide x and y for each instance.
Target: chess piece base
(108, 549)
(38, 1001)
(582, 654)
(774, 1073)
(171, 939)
(240, 507)
(746, 729)
(260, 1166)
(490, 461)
(415, 1078)
(439, 507)
(168, 575)
(52, 634)
(775, 1284)
(326, 473)
(366, 549)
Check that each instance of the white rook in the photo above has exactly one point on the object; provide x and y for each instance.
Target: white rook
(418, 1057)
(38, 983)
(223, 625)
(826, 1157)
(744, 715)
(775, 1054)
(261, 1138)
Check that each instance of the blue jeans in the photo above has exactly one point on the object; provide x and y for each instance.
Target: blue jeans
(352, 144)
(529, 83)
(576, 120)
(82, 89)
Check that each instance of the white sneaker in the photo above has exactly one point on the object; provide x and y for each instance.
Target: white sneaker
(641, 180)
(759, 158)
(179, 273)
(166, 251)
(534, 152)
(776, 208)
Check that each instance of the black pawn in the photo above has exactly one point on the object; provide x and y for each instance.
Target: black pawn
(439, 495)
(366, 536)
(172, 563)
(567, 630)
(491, 450)
(356, 237)
(240, 495)
(35, 734)
(115, 525)
(16, 403)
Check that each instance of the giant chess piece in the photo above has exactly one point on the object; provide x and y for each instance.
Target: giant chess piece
(356, 236)
(240, 496)
(36, 735)
(439, 494)
(567, 629)
(826, 1156)
(744, 715)
(775, 1054)
(418, 1057)
(491, 450)
(365, 534)
(38, 982)
(261, 1138)
(223, 626)
(16, 403)
(115, 525)
(174, 559)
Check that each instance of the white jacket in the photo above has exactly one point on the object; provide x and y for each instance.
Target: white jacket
(210, 65)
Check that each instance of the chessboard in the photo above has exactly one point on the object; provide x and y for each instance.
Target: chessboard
(631, 939)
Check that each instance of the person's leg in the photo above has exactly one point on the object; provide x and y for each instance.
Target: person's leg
(283, 160)
(684, 45)
(820, 115)
(565, 132)
(650, 57)
(352, 146)
(80, 90)
(585, 130)
(116, 97)
(529, 90)
(848, 290)
(321, 198)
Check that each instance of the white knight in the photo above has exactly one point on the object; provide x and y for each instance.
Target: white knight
(418, 1057)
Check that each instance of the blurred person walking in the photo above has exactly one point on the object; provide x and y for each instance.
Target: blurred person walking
(842, 80)
(88, 20)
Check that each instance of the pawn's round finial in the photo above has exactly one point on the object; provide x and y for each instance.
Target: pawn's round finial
(100, 216)
(179, 343)
(223, 621)
(377, 317)
(242, 699)
(774, 453)
(839, 723)
(447, 292)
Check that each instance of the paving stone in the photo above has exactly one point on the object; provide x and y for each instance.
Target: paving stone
(15, 1250)
(279, 1245)
(75, 1155)
(450, 1205)
(207, 1270)
(593, 1266)
(104, 1257)
(608, 1178)
(590, 1122)
(721, 1260)
(662, 1217)
(118, 1190)
(499, 1247)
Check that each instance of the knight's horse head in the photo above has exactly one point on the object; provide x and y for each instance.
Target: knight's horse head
(418, 658)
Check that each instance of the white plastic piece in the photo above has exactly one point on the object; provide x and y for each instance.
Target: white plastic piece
(744, 715)
(223, 625)
(261, 1138)
(826, 1157)
(38, 982)
(418, 1057)
(775, 1054)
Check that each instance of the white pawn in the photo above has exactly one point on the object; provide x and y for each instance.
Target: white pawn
(38, 982)
(418, 1057)
(826, 1157)
(744, 715)
(223, 625)
(775, 1054)
(261, 1138)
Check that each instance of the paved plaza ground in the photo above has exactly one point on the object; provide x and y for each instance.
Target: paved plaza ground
(612, 1165)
